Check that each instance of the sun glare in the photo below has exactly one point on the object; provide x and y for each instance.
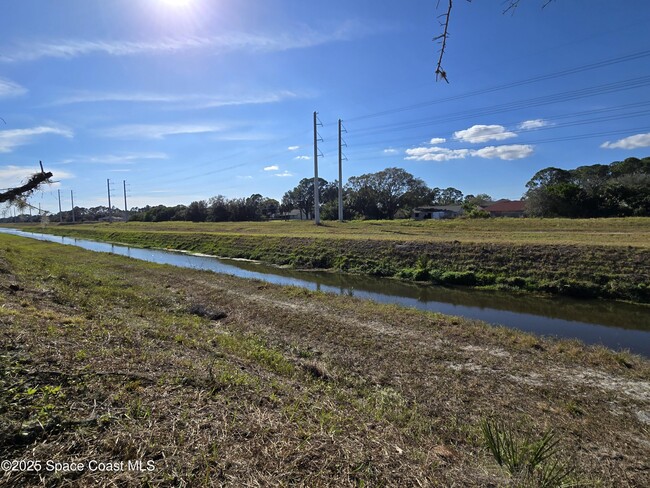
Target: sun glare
(177, 3)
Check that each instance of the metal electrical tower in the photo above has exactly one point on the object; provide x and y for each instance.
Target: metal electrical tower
(110, 212)
(341, 158)
(72, 202)
(124, 183)
(317, 139)
(60, 214)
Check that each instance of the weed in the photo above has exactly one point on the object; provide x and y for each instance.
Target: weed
(530, 461)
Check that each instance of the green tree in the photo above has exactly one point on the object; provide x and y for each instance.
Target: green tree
(302, 197)
(380, 195)
(197, 211)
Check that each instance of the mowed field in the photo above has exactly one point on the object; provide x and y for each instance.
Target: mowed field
(633, 231)
(221, 381)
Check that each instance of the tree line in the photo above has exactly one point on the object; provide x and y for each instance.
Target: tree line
(387, 194)
(621, 188)
(618, 189)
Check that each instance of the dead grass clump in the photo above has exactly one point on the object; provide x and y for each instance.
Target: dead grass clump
(206, 312)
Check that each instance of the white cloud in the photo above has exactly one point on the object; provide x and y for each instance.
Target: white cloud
(438, 140)
(154, 131)
(390, 150)
(632, 142)
(436, 154)
(440, 154)
(271, 168)
(293, 148)
(16, 175)
(483, 133)
(184, 101)
(533, 124)
(129, 158)
(302, 158)
(9, 139)
(228, 42)
(509, 152)
(10, 89)
(284, 174)
(244, 136)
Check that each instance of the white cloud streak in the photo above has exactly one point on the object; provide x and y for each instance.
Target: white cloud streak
(9, 88)
(284, 174)
(390, 150)
(9, 139)
(631, 142)
(483, 133)
(130, 158)
(303, 158)
(179, 101)
(273, 167)
(234, 41)
(158, 131)
(293, 148)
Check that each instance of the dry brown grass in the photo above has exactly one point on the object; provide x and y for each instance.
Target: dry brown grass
(223, 381)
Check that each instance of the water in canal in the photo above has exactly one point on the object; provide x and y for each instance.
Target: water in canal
(614, 324)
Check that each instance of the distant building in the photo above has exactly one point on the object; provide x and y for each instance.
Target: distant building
(438, 212)
(292, 215)
(507, 208)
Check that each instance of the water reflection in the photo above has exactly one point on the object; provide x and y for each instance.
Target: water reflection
(614, 324)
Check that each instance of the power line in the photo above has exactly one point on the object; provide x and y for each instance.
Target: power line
(551, 126)
(527, 81)
(490, 110)
(516, 105)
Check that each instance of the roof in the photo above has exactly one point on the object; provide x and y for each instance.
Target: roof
(506, 206)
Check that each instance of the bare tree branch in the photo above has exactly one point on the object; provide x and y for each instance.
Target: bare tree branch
(32, 184)
(440, 72)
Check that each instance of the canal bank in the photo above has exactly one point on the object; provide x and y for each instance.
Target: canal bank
(615, 325)
(583, 271)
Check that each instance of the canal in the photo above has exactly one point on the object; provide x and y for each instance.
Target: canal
(616, 325)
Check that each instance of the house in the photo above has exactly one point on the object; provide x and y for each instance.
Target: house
(294, 214)
(438, 212)
(507, 208)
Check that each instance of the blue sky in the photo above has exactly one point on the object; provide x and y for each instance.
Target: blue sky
(187, 99)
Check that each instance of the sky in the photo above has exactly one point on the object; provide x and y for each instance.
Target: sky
(181, 100)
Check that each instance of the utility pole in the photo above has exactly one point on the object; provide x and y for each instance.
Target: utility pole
(316, 196)
(72, 200)
(341, 157)
(60, 214)
(110, 214)
(124, 183)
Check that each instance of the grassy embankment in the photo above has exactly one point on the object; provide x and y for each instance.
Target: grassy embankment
(220, 380)
(586, 258)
